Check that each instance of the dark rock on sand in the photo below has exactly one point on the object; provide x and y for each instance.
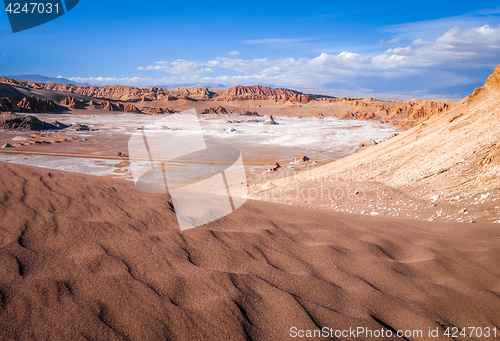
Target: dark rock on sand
(6, 104)
(60, 125)
(367, 143)
(79, 127)
(271, 121)
(220, 110)
(12, 121)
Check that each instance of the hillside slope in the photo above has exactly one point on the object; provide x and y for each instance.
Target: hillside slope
(454, 155)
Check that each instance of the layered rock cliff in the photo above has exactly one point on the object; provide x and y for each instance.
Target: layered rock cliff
(258, 92)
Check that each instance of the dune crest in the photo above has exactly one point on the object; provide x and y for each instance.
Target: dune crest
(86, 257)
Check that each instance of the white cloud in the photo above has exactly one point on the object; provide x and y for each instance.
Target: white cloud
(430, 30)
(179, 67)
(136, 81)
(233, 53)
(392, 41)
(449, 60)
(477, 47)
(421, 42)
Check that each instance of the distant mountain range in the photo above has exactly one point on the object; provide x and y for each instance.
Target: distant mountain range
(43, 79)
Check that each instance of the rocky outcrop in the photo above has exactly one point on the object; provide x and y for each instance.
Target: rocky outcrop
(109, 106)
(271, 121)
(129, 108)
(60, 125)
(300, 98)
(347, 115)
(186, 98)
(357, 103)
(258, 92)
(201, 94)
(367, 143)
(14, 121)
(79, 127)
(422, 109)
(6, 104)
(72, 103)
(275, 167)
(302, 159)
(33, 104)
(491, 84)
(220, 110)
(403, 115)
(493, 81)
(156, 111)
(243, 112)
(161, 111)
(170, 98)
(366, 116)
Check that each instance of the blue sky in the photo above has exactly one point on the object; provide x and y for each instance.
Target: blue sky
(391, 49)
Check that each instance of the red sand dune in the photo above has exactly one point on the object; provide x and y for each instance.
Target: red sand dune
(90, 258)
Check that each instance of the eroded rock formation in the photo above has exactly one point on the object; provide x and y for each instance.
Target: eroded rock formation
(33, 104)
(13, 121)
(220, 110)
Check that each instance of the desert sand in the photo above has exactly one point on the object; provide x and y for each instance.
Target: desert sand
(91, 258)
